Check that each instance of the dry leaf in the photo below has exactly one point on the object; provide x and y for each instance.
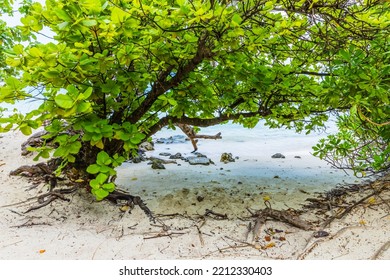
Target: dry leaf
(42, 251)
(371, 200)
(269, 245)
(362, 222)
(266, 198)
(124, 208)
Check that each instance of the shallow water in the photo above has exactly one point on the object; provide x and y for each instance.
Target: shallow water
(252, 176)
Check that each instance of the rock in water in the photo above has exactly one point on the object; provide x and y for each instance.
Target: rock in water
(278, 155)
(176, 156)
(227, 157)
(198, 160)
(165, 154)
(146, 146)
(157, 165)
(172, 140)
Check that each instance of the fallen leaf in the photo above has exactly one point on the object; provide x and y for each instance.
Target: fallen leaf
(266, 198)
(124, 208)
(267, 238)
(372, 200)
(269, 245)
(42, 251)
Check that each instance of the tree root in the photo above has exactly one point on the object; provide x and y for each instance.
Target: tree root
(351, 207)
(283, 216)
(39, 169)
(47, 198)
(381, 250)
(131, 200)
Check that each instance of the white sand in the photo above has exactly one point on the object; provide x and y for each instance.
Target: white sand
(85, 229)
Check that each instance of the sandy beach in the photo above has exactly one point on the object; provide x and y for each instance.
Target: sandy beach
(202, 211)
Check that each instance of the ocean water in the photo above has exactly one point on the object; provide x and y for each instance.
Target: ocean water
(253, 168)
(253, 149)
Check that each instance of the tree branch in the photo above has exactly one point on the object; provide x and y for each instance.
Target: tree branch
(162, 85)
(164, 121)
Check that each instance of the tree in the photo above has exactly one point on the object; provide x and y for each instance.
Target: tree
(118, 71)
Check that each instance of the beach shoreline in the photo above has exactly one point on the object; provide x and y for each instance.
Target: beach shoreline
(85, 229)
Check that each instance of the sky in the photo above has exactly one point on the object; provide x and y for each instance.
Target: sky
(14, 20)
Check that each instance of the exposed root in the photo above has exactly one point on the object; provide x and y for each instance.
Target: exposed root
(381, 250)
(283, 216)
(350, 208)
(131, 200)
(49, 197)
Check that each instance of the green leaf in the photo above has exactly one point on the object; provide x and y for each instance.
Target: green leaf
(35, 52)
(236, 20)
(137, 138)
(64, 101)
(26, 130)
(94, 184)
(105, 169)
(110, 187)
(75, 147)
(88, 61)
(87, 93)
(83, 107)
(18, 49)
(62, 14)
(101, 178)
(63, 25)
(13, 83)
(103, 158)
(100, 194)
(118, 15)
(89, 22)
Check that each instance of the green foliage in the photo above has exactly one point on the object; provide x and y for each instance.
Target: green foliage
(118, 71)
(104, 168)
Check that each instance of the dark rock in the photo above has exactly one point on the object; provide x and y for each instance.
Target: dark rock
(165, 154)
(176, 156)
(198, 160)
(278, 155)
(297, 157)
(146, 146)
(157, 165)
(172, 140)
(321, 233)
(276, 177)
(159, 160)
(200, 198)
(227, 157)
(137, 159)
(197, 154)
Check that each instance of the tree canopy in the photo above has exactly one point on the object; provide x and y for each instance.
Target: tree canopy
(118, 71)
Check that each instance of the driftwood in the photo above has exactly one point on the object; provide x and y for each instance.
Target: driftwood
(283, 216)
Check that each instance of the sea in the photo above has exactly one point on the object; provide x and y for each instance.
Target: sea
(252, 150)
